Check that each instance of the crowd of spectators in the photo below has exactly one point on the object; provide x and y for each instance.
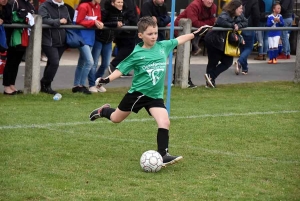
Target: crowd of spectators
(117, 13)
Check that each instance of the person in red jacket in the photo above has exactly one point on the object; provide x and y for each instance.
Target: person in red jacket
(201, 13)
(88, 14)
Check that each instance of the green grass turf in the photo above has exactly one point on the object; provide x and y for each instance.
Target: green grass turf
(239, 142)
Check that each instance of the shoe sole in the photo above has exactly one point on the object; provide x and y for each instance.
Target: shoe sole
(208, 81)
(172, 162)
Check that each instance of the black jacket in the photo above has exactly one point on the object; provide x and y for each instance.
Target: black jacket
(6, 16)
(262, 9)
(51, 14)
(287, 7)
(160, 12)
(252, 12)
(110, 17)
(217, 38)
(130, 18)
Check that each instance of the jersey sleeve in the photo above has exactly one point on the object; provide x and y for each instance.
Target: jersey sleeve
(127, 64)
(169, 45)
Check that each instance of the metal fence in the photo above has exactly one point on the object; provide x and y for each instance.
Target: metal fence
(182, 63)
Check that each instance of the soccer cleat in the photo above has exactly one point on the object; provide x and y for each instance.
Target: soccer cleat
(274, 61)
(237, 68)
(95, 114)
(170, 160)
(209, 81)
(270, 61)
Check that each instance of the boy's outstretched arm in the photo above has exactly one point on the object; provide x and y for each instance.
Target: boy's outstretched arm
(184, 38)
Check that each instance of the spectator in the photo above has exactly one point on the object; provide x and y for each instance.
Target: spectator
(72, 3)
(251, 12)
(111, 17)
(147, 89)
(265, 7)
(5, 18)
(287, 7)
(88, 15)
(201, 12)
(125, 39)
(15, 52)
(274, 20)
(54, 13)
(231, 17)
(158, 11)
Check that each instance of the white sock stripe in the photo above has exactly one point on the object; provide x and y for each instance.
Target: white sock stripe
(148, 119)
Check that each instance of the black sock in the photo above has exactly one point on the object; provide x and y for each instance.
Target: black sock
(106, 112)
(162, 141)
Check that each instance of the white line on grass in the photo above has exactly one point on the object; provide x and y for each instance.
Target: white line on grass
(209, 151)
(147, 119)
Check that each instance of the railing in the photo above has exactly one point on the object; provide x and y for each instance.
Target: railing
(182, 63)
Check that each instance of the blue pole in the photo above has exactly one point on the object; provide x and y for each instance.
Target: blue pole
(170, 67)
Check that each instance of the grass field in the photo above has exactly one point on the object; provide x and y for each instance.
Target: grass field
(239, 142)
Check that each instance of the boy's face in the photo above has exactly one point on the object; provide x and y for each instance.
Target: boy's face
(118, 4)
(149, 36)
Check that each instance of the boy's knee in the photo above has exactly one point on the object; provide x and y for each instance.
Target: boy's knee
(164, 123)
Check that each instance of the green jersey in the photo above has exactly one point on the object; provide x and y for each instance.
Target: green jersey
(149, 67)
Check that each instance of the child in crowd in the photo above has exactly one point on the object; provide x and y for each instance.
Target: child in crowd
(148, 60)
(111, 17)
(274, 20)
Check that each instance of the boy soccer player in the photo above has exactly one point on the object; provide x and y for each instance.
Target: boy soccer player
(148, 60)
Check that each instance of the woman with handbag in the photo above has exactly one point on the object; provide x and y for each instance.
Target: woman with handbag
(54, 13)
(15, 52)
(88, 14)
(231, 17)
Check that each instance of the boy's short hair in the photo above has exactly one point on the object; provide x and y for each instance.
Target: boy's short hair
(144, 23)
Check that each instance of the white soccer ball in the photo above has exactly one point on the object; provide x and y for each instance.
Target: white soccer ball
(151, 161)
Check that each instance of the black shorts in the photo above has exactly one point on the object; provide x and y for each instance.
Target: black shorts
(133, 102)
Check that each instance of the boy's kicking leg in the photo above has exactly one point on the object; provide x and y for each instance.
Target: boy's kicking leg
(114, 115)
(162, 119)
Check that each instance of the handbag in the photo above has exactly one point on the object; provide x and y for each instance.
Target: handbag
(232, 44)
(2, 61)
(3, 44)
(73, 40)
(25, 38)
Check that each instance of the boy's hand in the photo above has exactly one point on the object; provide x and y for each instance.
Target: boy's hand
(202, 30)
(100, 81)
